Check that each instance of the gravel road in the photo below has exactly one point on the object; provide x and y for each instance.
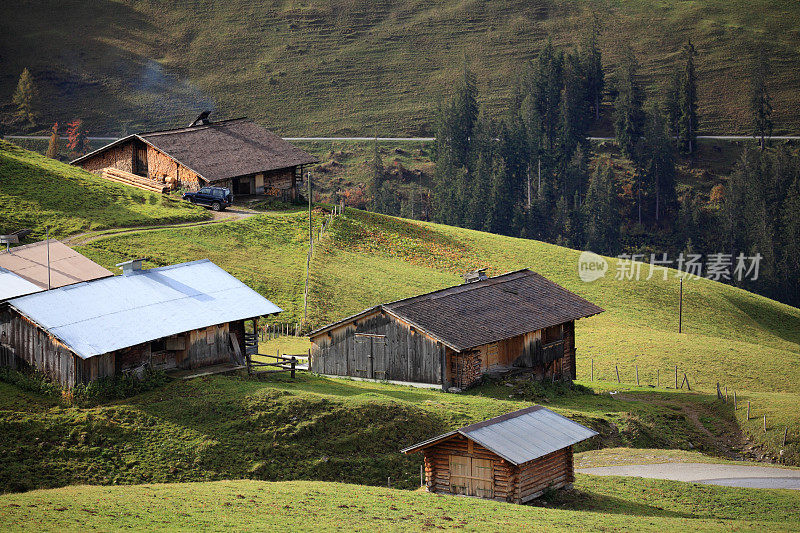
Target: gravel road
(760, 477)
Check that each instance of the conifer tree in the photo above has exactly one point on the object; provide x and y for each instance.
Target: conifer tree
(628, 114)
(501, 202)
(378, 176)
(25, 97)
(760, 100)
(593, 65)
(658, 162)
(687, 103)
(790, 255)
(672, 106)
(52, 145)
(601, 211)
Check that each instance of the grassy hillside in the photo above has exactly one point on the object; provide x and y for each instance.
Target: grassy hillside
(339, 66)
(596, 504)
(36, 192)
(740, 339)
(311, 428)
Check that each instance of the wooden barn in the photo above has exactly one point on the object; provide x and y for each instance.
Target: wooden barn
(44, 265)
(237, 154)
(182, 316)
(510, 458)
(518, 321)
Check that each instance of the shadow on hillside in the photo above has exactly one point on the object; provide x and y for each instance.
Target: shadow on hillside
(586, 500)
(777, 321)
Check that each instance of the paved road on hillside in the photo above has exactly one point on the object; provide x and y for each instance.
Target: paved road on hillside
(758, 477)
(429, 139)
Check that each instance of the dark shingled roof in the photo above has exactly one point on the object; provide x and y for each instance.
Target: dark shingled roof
(223, 150)
(482, 312)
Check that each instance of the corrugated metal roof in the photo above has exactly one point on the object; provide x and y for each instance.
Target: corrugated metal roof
(12, 285)
(66, 265)
(104, 315)
(482, 312)
(520, 436)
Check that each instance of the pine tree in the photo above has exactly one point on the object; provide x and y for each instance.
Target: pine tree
(672, 105)
(501, 201)
(658, 162)
(574, 112)
(760, 100)
(25, 97)
(790, 255)
(628, 114)
(687, 103)
(601, 212)
(52, 145)
(593, 66)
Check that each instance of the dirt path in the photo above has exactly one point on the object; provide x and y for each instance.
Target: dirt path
(760, 477)
(230, 214)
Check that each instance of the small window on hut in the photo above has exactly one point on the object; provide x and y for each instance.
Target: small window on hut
(211, 334)
(158, 346)
(552, 334)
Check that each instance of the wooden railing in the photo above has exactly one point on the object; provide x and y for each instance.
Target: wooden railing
(281, 361)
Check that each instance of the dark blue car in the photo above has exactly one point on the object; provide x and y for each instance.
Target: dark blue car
(217, 198)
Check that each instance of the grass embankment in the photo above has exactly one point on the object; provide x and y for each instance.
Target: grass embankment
(605, 504)
(36, 192)
(364, 67)
(311, 428)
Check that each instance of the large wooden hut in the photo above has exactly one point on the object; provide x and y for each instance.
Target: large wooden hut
(510, 458)
(453, 337)
(182, 316)
(237, 154)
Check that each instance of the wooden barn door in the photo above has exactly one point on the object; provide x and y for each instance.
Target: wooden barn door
(471, 476)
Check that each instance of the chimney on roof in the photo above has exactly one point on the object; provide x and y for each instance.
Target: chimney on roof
(201, 119)
(475, 275)
(131, 267)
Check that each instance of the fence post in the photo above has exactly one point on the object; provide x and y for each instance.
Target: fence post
(637, 375)
(294, 362)
(785, 434)
(658, 378)
(748, 409)
(676, 377)
(592, 369)
(734, 400)
(422, 475)
(617, 369)
(247, 361)
(765, 423)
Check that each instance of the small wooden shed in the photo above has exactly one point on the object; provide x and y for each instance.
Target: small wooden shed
(510, 458)
(519, 321)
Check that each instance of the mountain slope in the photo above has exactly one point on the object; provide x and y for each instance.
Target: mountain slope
(356, 66)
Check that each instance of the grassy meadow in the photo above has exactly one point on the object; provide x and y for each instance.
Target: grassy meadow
(356, 67)
(37, 192)
(596, 504)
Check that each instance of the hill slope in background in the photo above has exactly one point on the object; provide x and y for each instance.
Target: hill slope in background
(37, 192)
(356, 66)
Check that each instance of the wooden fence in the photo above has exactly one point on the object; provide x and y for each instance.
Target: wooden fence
(282, 362)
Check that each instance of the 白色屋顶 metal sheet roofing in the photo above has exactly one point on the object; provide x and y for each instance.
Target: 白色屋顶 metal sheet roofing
(104, 315)
(12, 285)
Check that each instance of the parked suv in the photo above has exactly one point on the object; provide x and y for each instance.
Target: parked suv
(217, 198)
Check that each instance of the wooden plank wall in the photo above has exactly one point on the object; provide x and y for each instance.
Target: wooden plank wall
(160, 166)
(120, 156)
(551, 471)
(569, 349)
(39, 349)
(407, 355)
(437, 467)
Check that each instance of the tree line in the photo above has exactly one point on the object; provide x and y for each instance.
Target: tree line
(533, 174)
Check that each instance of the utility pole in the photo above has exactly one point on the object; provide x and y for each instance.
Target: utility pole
(310, 231)
(680, 310)
(47, 241)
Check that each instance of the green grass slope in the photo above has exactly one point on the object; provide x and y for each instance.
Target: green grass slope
(339, 66)
(597, 504)
(36, 192)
